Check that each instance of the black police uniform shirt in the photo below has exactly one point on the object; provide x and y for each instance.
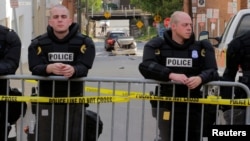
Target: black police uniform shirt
(75, 49)
(238, 54)
(193, 58)
(10, 52)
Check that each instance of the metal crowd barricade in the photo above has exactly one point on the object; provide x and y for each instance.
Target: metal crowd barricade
(236, 102)
(122, 103)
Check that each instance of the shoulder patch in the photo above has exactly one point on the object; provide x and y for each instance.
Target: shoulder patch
(39, 50)
(83, 49)
(203, 52)
(157, 52)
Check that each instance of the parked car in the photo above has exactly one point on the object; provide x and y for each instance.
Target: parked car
(237, 25)
(125, 45)
(110, 38)
(120, 43)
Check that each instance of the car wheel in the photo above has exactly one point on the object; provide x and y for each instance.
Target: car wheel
(107, 49)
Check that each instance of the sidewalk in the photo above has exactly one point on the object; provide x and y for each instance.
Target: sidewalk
(23, 69)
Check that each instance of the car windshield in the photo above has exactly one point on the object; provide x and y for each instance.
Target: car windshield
(243, 25)
(113, 35)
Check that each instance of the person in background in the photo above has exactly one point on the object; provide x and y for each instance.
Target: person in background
(237, 59)
(10, 52)
(178, 57)
(61, 51)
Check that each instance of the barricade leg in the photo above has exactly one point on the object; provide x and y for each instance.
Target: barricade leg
(163, 125)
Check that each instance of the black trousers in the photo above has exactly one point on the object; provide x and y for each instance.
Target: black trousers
(55, 124)
(180, 122)
(3, 123)
(2, 128)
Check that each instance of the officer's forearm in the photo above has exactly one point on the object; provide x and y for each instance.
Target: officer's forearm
(49, 68)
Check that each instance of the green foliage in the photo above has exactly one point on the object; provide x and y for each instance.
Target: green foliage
(95, 5)
(147, 34)
(108, 6)
(164, 8)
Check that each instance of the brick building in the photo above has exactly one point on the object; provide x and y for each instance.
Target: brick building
(213, 15)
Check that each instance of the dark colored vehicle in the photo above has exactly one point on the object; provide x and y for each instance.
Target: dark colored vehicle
(111, 38)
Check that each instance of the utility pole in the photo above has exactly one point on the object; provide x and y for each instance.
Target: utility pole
(70, 4)
(73, 6)
(187, 7)
(79, 14)
(39, 17)
(87, 17)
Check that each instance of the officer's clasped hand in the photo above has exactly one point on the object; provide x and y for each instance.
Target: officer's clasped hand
(61, 69)
(191, 82)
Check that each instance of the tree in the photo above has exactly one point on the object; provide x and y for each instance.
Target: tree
(95, 5)
(164, 8)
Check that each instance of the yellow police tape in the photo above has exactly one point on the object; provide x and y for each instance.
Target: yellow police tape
(216, 100)
(124, 96)
(104, 91)
(117, 99)
(111, 92)
(85, 99)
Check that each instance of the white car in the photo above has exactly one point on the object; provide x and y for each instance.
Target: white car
(119, 42)
(125, 45)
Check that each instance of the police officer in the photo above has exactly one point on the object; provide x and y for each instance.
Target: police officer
(10, 51)
(62, 51)
(178, 57)
(237, 57)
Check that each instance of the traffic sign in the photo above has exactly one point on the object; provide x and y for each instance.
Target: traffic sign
(107, 14)
(213, 20)
(157, 18)
(201, 24)
(139, 24)
(24, 3)
(166, 22)
(13, 3)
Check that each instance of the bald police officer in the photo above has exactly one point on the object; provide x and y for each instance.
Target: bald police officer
(178, 57)
(62, 51)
